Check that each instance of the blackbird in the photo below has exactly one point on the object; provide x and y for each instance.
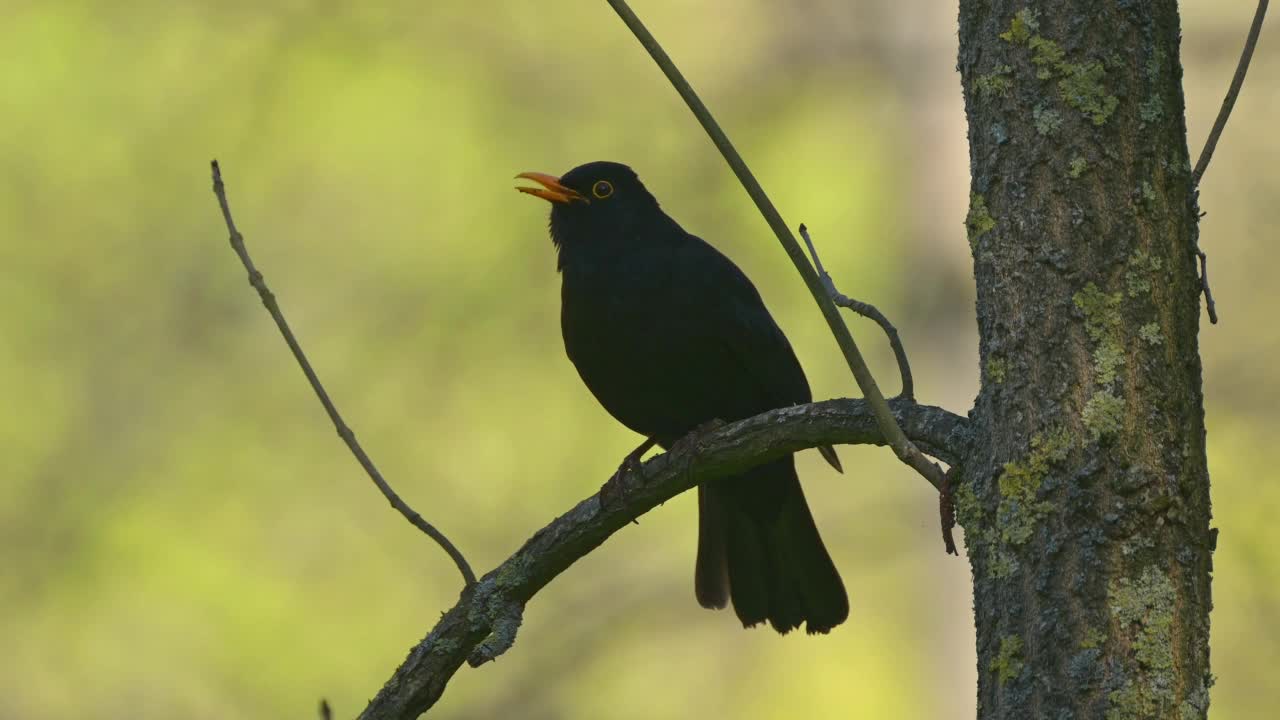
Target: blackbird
(669, 334)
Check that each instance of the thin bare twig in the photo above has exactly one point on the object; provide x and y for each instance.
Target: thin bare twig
(947, 511)
(906, 451)
(866, 310)
(326, 713)
(1211, 143)
(1204, 285)
(1233, 92)
(269, 302)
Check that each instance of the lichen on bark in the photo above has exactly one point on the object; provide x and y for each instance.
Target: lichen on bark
(1088, 482)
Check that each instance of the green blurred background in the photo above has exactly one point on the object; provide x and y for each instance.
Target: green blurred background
(181, 533)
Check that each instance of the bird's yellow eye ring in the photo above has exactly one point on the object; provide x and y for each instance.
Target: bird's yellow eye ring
(602, 189)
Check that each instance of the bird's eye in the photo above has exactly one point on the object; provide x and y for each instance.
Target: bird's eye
(602, 189)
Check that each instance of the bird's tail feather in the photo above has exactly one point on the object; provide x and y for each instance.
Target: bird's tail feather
(711, 574)
(757, 544)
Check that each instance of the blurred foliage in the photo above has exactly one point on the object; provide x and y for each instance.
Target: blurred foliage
(183, 536)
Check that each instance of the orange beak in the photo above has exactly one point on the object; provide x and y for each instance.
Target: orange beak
(551, 190)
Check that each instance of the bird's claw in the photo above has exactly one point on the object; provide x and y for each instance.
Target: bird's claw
(616, 485)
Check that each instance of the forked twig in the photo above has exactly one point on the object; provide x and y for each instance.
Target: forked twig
(1204, 286)
(1211, 143)
(866, 310)
(946, 497)
(348, 437)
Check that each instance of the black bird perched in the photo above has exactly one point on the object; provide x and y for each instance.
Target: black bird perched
(669, 334)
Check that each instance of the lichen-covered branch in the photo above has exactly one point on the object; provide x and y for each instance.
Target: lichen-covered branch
(483, 623)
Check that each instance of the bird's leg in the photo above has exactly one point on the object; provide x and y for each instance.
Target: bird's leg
(612, 487)
(631, 463)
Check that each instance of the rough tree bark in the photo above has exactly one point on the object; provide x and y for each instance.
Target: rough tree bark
(1085, 501)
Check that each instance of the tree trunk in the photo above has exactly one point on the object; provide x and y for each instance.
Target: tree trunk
(1085, 502)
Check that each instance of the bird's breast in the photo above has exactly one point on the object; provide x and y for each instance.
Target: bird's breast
(615, 324)
(611, 310)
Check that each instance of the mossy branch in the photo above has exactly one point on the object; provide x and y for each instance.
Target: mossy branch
(483, 623)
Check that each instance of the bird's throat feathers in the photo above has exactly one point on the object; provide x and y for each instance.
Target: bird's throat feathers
(584, 234)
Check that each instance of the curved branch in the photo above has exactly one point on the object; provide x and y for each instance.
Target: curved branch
(483, 623)
(866, 310)
(1233, 92)
(1211, 143)
(348, 437)
(902, 446)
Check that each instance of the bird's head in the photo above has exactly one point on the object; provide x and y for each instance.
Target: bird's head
(597, 202)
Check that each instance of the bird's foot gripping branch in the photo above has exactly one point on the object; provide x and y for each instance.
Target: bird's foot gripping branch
(627, 469)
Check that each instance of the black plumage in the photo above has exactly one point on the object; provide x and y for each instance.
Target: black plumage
(668, 333)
